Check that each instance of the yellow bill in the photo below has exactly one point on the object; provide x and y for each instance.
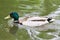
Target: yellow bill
(7, 17)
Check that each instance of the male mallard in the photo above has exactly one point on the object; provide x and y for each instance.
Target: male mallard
(29, 21)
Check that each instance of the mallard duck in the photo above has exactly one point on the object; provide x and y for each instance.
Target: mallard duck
(29, 21)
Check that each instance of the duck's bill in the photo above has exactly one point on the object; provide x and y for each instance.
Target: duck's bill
(7, 17)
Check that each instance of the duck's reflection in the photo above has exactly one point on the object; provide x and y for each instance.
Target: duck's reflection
(13, 29)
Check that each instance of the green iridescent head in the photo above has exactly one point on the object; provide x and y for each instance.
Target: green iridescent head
(13, 15)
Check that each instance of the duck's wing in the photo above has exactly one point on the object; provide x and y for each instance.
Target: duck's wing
(34, 23)
(37, 19)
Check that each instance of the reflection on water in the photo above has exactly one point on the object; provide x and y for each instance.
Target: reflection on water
(33, 32)
(13, 30)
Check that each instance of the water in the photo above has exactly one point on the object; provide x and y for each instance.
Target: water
(46, 32)
(34, 31)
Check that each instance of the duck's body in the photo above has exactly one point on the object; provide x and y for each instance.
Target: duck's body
(30, 21)
(34, 21)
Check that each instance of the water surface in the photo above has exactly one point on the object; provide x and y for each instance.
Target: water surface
(32, 8)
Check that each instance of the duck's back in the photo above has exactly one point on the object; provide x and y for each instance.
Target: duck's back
(37, 18)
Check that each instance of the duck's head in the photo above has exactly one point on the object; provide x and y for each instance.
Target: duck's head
(13, 15)
(50, 20)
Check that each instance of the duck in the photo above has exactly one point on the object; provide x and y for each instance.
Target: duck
(30, 21)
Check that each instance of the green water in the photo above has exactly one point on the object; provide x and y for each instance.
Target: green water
(7, 6)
